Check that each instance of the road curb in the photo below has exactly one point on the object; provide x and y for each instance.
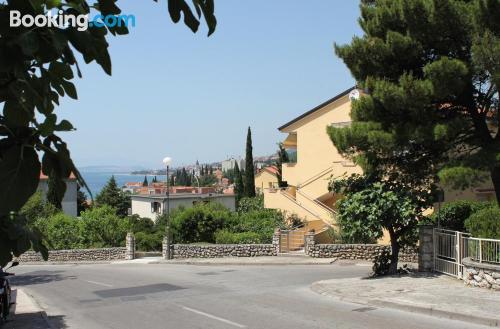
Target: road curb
(27, 301)
(318, 287)
(237, 263)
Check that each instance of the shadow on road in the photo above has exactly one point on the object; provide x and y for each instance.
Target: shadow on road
(38, 277)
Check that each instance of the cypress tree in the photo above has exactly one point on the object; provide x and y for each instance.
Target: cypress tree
(249, 168)
(239, 188)
(53, 197)
(145, 182)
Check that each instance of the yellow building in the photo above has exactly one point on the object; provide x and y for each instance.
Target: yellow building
(267, 177)
(314, 160)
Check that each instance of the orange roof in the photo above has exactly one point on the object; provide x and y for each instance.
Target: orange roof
(273, 170)
(45, 177)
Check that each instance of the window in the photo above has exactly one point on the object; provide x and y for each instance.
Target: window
(292, 155)
(155, 207)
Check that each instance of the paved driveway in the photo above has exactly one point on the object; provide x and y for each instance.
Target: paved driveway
(190, 296)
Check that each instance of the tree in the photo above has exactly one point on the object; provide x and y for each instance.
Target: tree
(53, 193)
(282, 158)
(431, 70)
(145, 182)
(37, 69)
(81, 200)
(364, 213)
(37, 207)
(112, 196)
(239, 188)
(103, 228)
(249, 168)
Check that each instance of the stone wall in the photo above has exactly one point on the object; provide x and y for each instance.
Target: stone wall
(481, 275)
(357, 251)
(223, 250)
(76, 255)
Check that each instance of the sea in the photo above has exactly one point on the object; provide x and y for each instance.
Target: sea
(97, 180)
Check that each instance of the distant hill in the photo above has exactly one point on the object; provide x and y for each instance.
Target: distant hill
(110, 168)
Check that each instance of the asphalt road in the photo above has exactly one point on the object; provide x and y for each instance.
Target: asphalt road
(163, 296)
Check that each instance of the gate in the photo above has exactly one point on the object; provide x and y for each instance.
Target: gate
(291, 240)
(449, 251)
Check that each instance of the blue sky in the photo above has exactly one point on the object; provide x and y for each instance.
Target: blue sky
(181, 94)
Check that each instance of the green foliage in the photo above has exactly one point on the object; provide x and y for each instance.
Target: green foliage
(112, 196)
(382, 264)
(249, 168)
(461, 177)
(149, 241)
(62, 231)
(198, 223)
(36, 207)
(366, 211)
(485, 223)
(37, 69)
(145, 182)
(81, 201)
(453, 215)
(239, 188)
(227, 237)
(103, 228)
(430, 70)
(53, 193)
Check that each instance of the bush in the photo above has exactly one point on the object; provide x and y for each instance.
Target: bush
(103, 228)
(452, 215)
(485, 223)
(226, 237)
(61, 231)
(199, 223)
(148, 241)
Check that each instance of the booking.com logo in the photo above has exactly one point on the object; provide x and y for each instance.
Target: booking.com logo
(80, 22)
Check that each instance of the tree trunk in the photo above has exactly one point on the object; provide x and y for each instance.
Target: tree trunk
(495, 177)
(393, 268)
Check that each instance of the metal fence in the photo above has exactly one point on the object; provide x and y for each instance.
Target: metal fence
(451, 247)
(449, 251)
(482, 250)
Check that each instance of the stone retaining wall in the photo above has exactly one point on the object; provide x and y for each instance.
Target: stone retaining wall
(481, 275)
(223, 250)
(358, 251)
(76, 255)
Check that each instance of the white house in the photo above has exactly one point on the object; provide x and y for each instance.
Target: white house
(230, 163)
(150, 206)
(69, 203)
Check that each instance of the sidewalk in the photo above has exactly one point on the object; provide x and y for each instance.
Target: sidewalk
(261, 260)
(25, 313)
(430, 294)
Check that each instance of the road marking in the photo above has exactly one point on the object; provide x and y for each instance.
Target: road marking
(214, 317)
(99, 283)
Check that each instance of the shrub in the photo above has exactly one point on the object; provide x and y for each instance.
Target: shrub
(61, 231)
(227, 237)
(452, 215)
(103, 228)
(199, 223)
(485, 223)
(36, 207)
(148, 241)
(261, 222)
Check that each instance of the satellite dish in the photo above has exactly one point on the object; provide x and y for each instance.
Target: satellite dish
(354, 95)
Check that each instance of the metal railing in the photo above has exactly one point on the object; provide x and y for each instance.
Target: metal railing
(482, 250)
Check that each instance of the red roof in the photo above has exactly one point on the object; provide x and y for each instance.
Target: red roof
(45, 177)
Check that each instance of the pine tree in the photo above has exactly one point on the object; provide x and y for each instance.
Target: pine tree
(249, 168)
(239, 188)
(53, 197)
(145, 182)
(111, 195)
(432, 73)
